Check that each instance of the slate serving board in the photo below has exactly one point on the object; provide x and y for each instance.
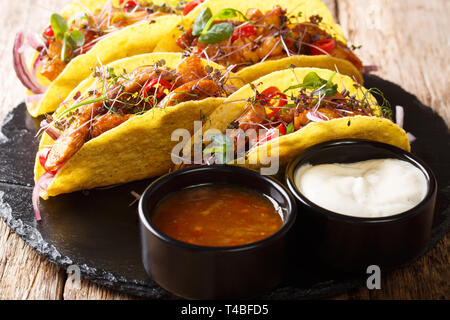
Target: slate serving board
(97, 230)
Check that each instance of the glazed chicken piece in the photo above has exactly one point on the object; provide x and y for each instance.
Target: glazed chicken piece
(94, 119)
(53, 65)
(255, 115)
(190, 69)
(78, 132)
(107, 122)
(271, 19)
(122, 20)
(194, 90)
(138, 78)
(311, 33)
(73, 138)
(342, 52)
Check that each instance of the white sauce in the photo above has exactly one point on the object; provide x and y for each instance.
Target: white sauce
(368, 189)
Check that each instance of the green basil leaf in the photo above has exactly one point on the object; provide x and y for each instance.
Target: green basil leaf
(59, 25)
(295, 86)
(217, 33)
(328, 91)
(201, 21)
(290, 128)
(75, 39)
(227, 14)
(313, 81)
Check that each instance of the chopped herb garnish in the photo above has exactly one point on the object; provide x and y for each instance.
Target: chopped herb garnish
(385, 106)
(321, 86)
(200, 21)
(290, 128)
(70, 39)
(211, 33)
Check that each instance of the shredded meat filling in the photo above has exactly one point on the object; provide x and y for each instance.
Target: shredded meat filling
(274, 37)
(128, 96)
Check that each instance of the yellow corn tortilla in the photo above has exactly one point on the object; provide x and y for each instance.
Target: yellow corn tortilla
(138, 148)
(253, 72)
(135, 39)
(288, 146)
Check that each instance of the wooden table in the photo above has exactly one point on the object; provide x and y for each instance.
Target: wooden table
(408, 41)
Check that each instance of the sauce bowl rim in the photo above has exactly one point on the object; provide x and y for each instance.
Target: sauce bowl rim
(343, 143)
(288, 222)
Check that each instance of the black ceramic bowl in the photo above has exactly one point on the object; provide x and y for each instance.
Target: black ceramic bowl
(201, 272)
(351, 244)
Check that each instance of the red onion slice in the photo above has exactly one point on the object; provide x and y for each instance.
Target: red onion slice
(41, 185)
(411, 137)
(399, 116)
(33, 98)
(50, 130)
(105, 13)
(24, 75)
(315, 117)
(37, 63)
(370, 68)
(35, 41)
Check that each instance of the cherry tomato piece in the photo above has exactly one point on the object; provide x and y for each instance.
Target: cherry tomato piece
(191, 6)
(243, 32)
(130, 5)
(48, 32)
(325, 45)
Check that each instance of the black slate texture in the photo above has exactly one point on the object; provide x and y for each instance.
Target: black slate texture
(98, 229)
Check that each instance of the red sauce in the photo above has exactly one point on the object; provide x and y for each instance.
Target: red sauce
(217, 215)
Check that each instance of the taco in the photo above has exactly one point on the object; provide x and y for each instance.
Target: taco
(117, 125)
(288, 111)
(259, 37)
(86, 32)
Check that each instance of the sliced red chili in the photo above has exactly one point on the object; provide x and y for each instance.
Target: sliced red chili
(323, 46)
(130, 5)
(243, 32)
(43, 156)
(267, 93)
(191, 6)
(159, 85)
(281, 129)
(274, 97)
(200, 52)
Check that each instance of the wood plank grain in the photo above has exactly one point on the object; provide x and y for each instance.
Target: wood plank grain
(91, 291)
(427, 278)
(23, 273)
(408, 41)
